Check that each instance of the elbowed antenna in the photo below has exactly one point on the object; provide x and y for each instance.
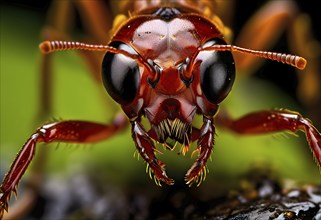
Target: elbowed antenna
(53, 46)
(293, 60)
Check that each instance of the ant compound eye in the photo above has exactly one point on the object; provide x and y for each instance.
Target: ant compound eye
(217, 72)
(120, 74)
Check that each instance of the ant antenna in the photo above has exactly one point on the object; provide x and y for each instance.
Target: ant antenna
(293, 60)
(53, 46)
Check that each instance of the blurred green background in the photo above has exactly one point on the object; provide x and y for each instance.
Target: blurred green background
(76, 96)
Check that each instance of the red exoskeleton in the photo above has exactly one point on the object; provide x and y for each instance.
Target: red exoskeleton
(167, 64)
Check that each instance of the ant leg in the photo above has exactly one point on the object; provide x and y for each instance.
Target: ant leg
(95, 16)
(63, 131)
(278, 17)
(56, 26)
(146, 148)
(274, 16)
(262, 122)
(302, 41)
(197, 172)
(97, 22)
(96, 19)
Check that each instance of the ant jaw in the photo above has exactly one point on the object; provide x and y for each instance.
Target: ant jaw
(174, 129)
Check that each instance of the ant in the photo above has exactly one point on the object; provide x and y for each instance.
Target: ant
(167, 63)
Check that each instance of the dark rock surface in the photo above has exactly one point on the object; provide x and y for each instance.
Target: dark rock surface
(256, 198)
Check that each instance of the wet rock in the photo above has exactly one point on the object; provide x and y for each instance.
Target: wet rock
(260, 197)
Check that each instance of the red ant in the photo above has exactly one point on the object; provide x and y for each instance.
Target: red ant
(167, 64)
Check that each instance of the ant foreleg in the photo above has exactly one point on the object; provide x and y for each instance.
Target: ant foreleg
(64, 131)
(274, 121)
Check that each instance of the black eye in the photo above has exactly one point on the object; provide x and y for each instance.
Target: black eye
(217, 72)
(121, 74)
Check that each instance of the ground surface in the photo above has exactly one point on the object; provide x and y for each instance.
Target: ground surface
(256, 197)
